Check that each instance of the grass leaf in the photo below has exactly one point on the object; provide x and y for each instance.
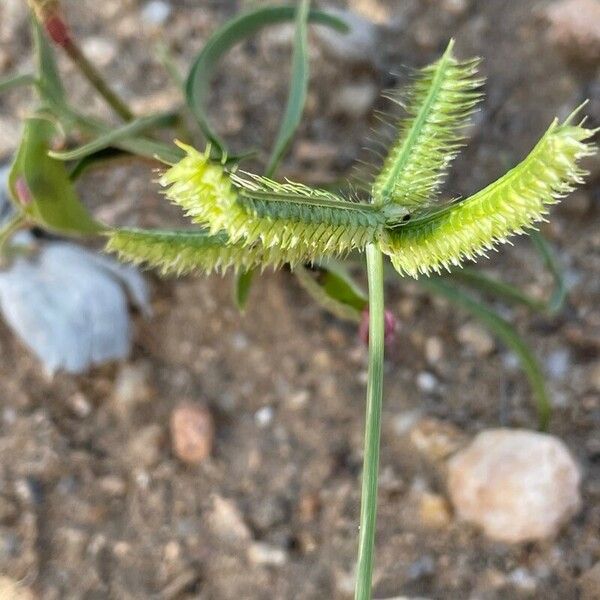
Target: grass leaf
(234, 31)
(506, 333)
(117, 135)
(40, 186)
(333, 297)
(12, 82)
(242, 286)
(298, 88)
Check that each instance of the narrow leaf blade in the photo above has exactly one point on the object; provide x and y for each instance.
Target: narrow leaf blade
(298, 89)
(507, 334)
(199, 78)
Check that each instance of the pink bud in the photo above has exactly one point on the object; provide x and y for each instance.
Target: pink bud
(390, 325)
(23, 191)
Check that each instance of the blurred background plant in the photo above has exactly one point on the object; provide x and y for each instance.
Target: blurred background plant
(61, 143)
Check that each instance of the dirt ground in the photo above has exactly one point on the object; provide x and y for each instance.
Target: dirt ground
(93, 503)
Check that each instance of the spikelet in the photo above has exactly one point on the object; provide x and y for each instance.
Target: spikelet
(181, 252)
(295, 220)
(438, 105)
(510, 205)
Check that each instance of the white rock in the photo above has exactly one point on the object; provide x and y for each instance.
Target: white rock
(260, 553)
(156, 12)
(517, 485)
(226, 520)
(427, 382)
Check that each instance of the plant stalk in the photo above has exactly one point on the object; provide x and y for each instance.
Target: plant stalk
(368, 508)
(88, 70)
(49, 15)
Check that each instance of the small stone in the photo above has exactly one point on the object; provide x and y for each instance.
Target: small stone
(263, 554)
(434, 511)
(436, 439)
(354, 100)
(268, 512)
(523, 580)
(427, 382)
(13, 590)
(132, 388)
(517, 485)
(309, 506)
(359, 45)
(455, 7)
(434, 350)
(575, 26)
(589, 583)
(558, 363)
(192, 433)
(80, 405)
(476, 338)
(100, 50)
(156, 12)
(298, 400)
(226, 520)
(144, 447)
(264, 416)
(113, 485)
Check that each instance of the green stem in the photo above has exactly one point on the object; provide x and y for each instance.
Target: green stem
(368, 508)
(11, 226)
(88, 70)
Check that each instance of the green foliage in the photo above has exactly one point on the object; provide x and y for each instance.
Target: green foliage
(298, 88)
(233, 32)
(40, 186)
(506, 333)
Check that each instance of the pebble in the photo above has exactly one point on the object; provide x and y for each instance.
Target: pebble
(156, 12)
(132, 388)
(359, 45)
(13, 590)
(354, 100)
(589, 583)
(434, 350)
(436, 439)
(263, 416)
(517, 485)
(434, 511)
(268, 512)
(427, 382)
(476, 338)
(192, 433)
(261, 554)
(575, 26)
(226, 521)
(558, 363)
(522, 579)
(144, 447)
(100, 51)
(80, 405)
